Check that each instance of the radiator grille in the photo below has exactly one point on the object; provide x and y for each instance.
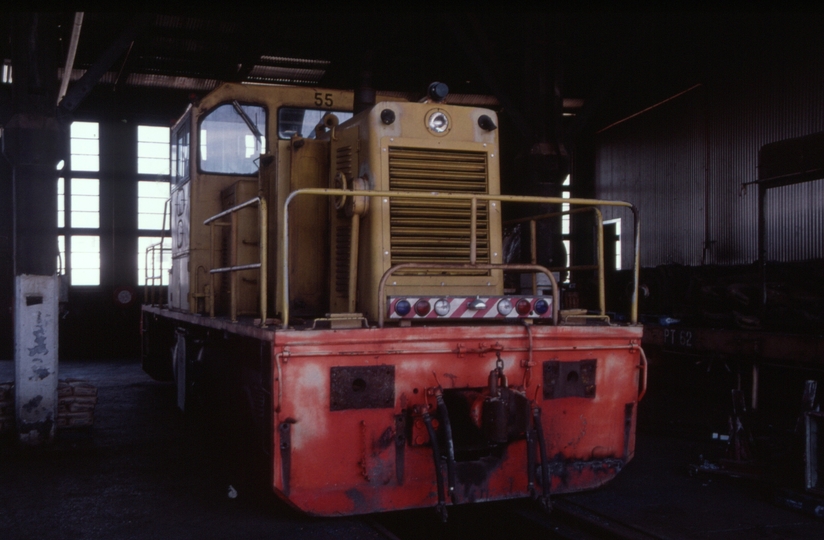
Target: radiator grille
(426, 231)
(342, 229)
(343, 160)
(342, 250)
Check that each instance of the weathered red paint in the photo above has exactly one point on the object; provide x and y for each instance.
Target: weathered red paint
(343, 462)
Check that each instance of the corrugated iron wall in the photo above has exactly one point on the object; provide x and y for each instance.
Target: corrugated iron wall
(684, 164)
(656, 161)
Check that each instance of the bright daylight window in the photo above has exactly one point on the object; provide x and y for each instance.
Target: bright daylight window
(566, 223)
(85, 203)
(153, 158)
(151, 204)
(78, 207)
(85, 260)
(617, 223)
(85, 146)
(152, 150)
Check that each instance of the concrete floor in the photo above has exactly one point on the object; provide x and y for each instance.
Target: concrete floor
(143, 471)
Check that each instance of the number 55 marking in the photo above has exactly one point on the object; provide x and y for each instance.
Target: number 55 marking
(322, 99)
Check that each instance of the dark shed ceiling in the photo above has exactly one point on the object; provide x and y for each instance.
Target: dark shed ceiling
(603, 64)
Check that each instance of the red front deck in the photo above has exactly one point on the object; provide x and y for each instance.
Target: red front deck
(337, 455)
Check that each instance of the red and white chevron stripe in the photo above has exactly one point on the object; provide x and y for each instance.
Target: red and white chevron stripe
(459, 307)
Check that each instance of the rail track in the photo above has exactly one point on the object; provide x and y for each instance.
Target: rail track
(507, 520)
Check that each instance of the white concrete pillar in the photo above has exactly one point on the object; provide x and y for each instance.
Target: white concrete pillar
(35, 357)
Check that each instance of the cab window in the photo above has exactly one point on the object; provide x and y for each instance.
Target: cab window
(301, 122)
(232, 137)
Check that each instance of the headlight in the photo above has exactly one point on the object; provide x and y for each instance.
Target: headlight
(442, 307)
(437, 122)
(505, 307)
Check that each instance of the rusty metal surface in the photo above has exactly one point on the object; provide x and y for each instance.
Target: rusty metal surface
(569, 379)
(361, 387)
(446, 375)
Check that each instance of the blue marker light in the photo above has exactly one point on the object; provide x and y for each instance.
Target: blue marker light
(403, 307)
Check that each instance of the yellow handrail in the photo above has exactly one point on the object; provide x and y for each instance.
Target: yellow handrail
(599, 219)
(473, 198)
(233, 268)
(150, 252)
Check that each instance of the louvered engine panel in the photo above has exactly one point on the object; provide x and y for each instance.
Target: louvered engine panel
(426, 231)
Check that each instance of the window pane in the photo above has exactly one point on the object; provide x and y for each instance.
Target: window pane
(156, 269)
(85, 255)
(302, 122)
(153, 150)
(180, 152)
(85, 186)
(151, 202)
(153, 166)
(225, 149)
(158, 134)
(85, 276)
(85, 220)
(85, 146)
(85, 130)
(85, 200)
(565, 218)
(83, 203)
(86, 163)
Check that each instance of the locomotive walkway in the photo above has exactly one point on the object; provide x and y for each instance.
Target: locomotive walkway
(143, 471)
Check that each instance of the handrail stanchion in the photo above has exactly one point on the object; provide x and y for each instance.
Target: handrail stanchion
(533, 252)
(264, 267)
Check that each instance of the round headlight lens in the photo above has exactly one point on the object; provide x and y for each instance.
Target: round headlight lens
(523, 307)
(442, 307)
(541, 307)
(438, 122)
(403, 307)
(422, 307)
(505, 307)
